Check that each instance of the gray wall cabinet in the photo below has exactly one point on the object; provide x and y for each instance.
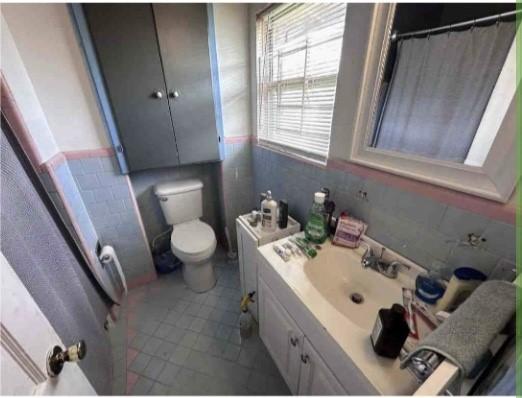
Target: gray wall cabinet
(156, 67)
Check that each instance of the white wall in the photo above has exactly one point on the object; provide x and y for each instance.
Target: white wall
(47, 45)
(232, 33)
(14, 72)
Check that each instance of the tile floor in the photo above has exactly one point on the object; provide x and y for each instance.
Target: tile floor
(171, 341)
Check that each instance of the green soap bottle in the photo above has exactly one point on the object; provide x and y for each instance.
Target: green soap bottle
(315, 229)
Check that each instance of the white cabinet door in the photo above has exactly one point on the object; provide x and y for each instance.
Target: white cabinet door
(247, 247)
(316, 378)
(282, 337)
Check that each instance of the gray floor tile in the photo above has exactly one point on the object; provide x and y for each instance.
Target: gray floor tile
(163, 330)
(159, 389)
(231, 352)
(210, 328)
(192, 309)
(151, 346)
(165, 313)
(180, 355)
(197, 325)
(140, 362)
(204, 311)
(172, 317)
(203, 343)
(168, 374)
(223, 332)
(154, 368)
(184, 321)
(165, 350)
(138, 342)
(189, 339)
(142, 386)
(176, 334)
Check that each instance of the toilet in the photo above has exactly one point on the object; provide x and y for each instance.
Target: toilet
(192, 240)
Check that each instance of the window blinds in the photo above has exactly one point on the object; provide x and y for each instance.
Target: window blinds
(298, 53)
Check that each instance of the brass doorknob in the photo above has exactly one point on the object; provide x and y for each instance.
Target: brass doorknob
(57, 357)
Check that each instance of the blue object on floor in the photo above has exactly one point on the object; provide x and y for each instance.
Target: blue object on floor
(166, 262)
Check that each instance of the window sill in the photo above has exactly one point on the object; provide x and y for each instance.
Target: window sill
(292, 153)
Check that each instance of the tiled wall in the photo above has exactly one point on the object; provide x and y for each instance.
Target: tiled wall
(238, 184)
(417, 227)
(99, 199)
(143, 185)
(73, 200)
(107, 197)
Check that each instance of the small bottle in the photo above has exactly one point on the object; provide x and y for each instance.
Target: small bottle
(390, 331)
(315, 229)
(283, 214)
(245, 319)
(269, 213)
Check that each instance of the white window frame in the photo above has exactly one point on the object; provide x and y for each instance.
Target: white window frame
(309, 156)
(495, 179)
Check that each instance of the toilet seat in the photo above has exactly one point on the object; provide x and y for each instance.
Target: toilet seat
(193, 241)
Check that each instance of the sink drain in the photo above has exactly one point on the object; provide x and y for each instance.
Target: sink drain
(357, 298)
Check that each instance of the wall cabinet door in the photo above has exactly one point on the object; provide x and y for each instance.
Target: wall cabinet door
(124, 36)
(282, 337)
(247, 248)
(316, 378)
(183, 41)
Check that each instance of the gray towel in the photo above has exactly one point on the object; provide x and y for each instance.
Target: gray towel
(464, 338)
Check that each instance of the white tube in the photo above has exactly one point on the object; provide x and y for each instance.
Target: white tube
(108, 256)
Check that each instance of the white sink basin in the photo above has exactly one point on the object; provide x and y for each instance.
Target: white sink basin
(337, 275)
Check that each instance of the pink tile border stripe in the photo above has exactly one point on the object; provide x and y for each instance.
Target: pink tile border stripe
(239, 139)
(498, 211)
(89, 153)
(141, 280)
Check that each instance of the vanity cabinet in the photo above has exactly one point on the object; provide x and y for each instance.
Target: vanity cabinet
(281, 335)
(156, 68)
(315, 377)
(301, 366)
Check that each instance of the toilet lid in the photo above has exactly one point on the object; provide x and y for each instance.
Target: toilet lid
(192, 237)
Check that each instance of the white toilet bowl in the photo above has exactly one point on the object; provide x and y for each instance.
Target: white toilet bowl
(194, 243)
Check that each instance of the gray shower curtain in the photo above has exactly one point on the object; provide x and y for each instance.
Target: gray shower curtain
(439, 90)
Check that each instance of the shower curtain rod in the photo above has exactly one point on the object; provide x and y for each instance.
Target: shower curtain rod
(395, 36)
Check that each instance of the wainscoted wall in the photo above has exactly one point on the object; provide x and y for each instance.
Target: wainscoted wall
(419, 228)
(96, 201)
(143, 184)
(237, 182)
(108, 199)
(61, 186)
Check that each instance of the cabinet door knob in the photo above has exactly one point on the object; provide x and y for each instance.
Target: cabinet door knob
(294, 341)
(174, 94)
(305, 358)
(157, 94)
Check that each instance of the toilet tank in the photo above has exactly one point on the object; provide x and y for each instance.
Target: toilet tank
(180, 201)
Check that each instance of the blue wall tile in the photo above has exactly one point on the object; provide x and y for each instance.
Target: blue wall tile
(419, 228)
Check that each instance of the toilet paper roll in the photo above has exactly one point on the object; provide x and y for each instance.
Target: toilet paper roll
(108, 256)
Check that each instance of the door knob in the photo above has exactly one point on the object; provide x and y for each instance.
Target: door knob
(57, 357)
(157, 94)
(174, 94)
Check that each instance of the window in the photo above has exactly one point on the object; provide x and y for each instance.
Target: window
(440, 75)
(298, 53)
(486, 165)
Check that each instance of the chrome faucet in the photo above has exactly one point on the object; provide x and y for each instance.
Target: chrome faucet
(390, 270)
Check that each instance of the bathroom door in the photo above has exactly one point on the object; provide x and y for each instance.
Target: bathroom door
(26, 336)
